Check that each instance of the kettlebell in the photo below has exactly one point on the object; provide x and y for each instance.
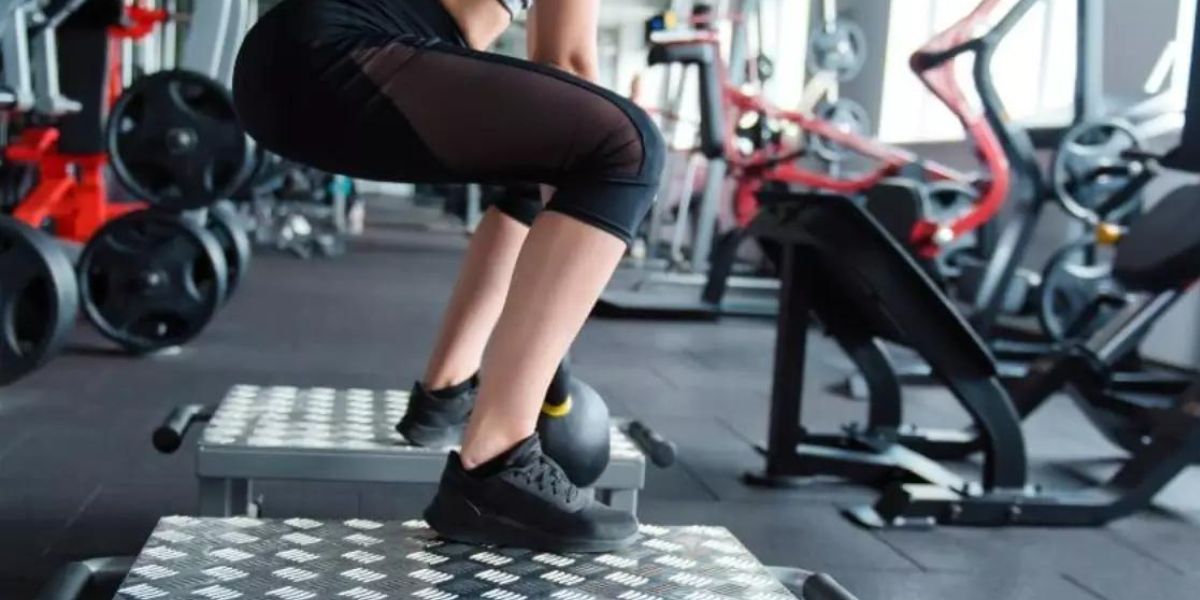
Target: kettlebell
(574, 428)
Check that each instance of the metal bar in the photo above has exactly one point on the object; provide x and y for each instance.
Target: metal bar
(48, 97)
(1125, 330)
(170, 36)
(685, 207)
(239, 23)
(17, 72)
(791, 339)
(207, 31)
(706, 220)
(714, 184)
(1089, 61)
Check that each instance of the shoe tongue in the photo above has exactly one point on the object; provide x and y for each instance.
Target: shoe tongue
(525, 452)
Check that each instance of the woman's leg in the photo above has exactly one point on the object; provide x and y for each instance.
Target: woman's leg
(475, 304)
(404, 112)
(441, 401)
(547, 304)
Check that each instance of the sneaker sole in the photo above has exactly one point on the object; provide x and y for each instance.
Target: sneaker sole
(460, 521)
(431, 437)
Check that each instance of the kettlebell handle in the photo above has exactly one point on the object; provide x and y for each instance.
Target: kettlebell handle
(558, 395)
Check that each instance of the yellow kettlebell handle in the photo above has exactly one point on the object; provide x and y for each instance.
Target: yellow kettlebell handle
(561, 409)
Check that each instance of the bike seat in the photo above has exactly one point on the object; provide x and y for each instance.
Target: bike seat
(1161, 250)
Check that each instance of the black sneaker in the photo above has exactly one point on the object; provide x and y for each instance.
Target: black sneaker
(437, 419)
(527, 502)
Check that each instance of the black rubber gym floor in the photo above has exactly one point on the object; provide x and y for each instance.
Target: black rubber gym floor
(78, 477)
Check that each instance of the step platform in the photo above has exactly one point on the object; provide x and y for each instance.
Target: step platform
(324, 434)
(302, 559)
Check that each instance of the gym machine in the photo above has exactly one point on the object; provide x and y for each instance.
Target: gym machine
(1073, 293)
(873, 291)
(1089, 177)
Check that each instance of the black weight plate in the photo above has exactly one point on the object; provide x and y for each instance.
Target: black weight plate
(151, 279)
(38, 298)
(946, 202)
(841, 49)
(1070, 285)
(1089, 167)
(173, 140)
(227, 228)
(846, 115)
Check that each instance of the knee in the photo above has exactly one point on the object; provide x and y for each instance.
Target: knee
(654, 147)
(616, 180)
(629, 146)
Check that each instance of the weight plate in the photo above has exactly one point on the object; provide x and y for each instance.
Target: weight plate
(1070, 285)
(946, 201)
(228, 228)
(38, 298)
(151, 279)
(949, 199)
(846, 115)
(174, 141)
(841, 49)
(1089, 168)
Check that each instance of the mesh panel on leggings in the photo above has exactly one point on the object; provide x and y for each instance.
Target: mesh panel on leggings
(397, 107)
(485, 116)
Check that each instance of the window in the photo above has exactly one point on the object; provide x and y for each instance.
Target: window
(1034, 68)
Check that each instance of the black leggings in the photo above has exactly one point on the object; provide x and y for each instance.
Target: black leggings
(386, 90)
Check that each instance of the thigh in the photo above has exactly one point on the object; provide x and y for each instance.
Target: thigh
(399, 109)
(493, 118)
